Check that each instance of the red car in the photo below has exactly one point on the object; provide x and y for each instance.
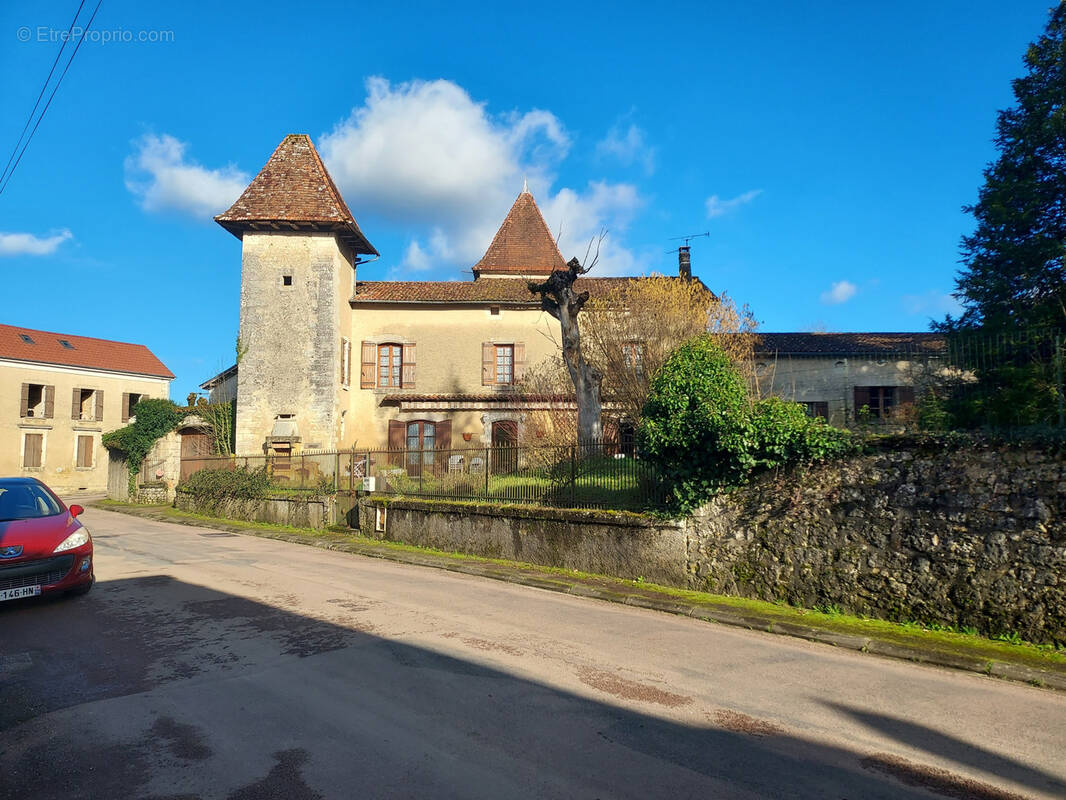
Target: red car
(43, 547)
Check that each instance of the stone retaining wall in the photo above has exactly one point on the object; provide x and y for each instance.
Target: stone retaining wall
(970, 537)
(298, 512)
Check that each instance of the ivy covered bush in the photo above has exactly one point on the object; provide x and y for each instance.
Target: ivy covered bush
(153, 419)
(705, 433)
(214, 488)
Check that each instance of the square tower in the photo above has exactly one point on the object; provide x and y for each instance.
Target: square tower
(300, 245)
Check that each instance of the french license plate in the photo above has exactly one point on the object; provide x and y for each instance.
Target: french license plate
(17, 594)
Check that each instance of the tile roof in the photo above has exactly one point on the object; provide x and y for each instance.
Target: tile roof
(294, 190)
(482, 290)
(523, 245)
(842, 344)
(47, 348)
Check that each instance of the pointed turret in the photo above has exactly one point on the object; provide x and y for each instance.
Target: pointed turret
(523, 245)
(294, 191)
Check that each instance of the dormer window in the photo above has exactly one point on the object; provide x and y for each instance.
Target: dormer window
(66, 344)
(26, 338)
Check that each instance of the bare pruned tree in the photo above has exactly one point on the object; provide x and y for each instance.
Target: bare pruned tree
(558, 298)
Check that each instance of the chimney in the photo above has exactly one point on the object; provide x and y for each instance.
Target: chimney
(684, 263)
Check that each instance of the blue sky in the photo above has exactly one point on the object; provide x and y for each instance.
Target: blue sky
(827, 147)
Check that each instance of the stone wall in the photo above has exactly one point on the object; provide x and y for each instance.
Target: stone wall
(967, 536)
(152, 495)
(610, 543)
(298, 512)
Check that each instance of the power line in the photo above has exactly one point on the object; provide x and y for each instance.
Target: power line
(44, 111)
(40, 94)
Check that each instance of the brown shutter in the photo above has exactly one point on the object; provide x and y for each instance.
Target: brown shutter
(99, 395)
(85, 451)
(343, 382)
(25, 407)
(368, 374)
(75, 408)
(519, 361)
(397, 438)
(32, 456)
(407, 371)
(488, 364)
(49, 402)
(862, 398)
(905, 395)
(125, 406)
(444, 435)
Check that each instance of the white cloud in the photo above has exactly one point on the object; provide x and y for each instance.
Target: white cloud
(629, 147)
(26, 244)
(426, 155)
(932, 303)
(839, 292)
(716, 206)
(159, 174)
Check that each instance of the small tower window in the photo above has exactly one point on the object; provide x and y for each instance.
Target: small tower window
(494, 311)
(286, 280)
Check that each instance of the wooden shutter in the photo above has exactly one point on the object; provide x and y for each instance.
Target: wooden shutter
(488, 364)
(49, 402)
(444, 435)
(99, 395)
(125, 406)
(519, 361)
(25, 406)
(407, 370)
(85, 451)
(33, 448)
(75, 408)
(862, 398)
(397, 439)
(905, 395)
(368, 373)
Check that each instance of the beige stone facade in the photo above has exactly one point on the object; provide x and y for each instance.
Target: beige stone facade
(52, 418)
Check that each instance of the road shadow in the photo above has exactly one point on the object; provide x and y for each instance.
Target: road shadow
(151, 687)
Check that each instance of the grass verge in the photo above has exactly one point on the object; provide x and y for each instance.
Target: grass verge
(761, 614)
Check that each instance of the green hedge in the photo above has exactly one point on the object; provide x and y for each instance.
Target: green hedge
(705, 434)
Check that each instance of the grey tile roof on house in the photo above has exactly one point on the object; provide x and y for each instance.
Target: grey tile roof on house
(845, 344)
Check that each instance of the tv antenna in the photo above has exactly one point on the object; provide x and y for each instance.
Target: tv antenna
(687, 239)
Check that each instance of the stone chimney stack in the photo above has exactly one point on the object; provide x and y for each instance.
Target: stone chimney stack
(684, 262)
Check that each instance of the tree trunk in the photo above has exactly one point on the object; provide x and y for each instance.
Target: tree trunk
(560, 300)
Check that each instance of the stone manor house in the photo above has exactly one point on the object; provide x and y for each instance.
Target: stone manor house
(330, 361)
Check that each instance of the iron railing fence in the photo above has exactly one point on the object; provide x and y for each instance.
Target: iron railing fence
(964, 380)
(593, 475)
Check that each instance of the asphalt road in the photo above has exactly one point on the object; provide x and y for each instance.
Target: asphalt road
(213, 665)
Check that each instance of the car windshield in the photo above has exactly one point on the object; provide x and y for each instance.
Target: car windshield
(26, 501)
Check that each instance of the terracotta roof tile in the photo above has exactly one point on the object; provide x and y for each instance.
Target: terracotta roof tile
(294, 187)
(523, 245)
(483, 290)
(842, 344)
(48, 348)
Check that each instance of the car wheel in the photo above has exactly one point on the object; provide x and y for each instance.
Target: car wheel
(78, 592)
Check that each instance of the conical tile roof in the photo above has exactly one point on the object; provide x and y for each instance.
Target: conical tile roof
(294, 191)
(523, 245)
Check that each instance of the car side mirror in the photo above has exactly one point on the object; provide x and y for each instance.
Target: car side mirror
(75, 510)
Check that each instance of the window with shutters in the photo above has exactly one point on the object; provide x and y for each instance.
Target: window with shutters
(421, 442)
(88, 405)
(878, 400)
(84, 452)
(33, 450)
(817, 408)
(390, 365)
(504, 364)
(37, 400)
(633, 356)
(129, 402)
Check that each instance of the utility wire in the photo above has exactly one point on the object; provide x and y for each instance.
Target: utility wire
(40, 94)
(44, 111)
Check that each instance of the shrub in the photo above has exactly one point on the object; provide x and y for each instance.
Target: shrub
(154, 418)
(705, 434)
(212, 488)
